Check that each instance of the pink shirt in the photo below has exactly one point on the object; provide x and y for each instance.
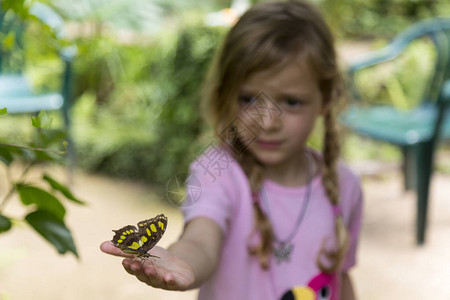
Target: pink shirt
(218, 189)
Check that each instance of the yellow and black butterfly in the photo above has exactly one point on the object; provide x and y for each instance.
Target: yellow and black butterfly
(138, 241)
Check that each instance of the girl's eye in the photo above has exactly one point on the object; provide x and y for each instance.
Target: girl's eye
(245, 99)
(293, 103)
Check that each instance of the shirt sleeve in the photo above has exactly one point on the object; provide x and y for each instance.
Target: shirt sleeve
(354, 225)
(208, 195)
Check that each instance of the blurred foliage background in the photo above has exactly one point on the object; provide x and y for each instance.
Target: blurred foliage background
(140, 66)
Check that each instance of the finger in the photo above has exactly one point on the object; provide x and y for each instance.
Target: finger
(169, 282)
(143, 273)
(126, 265)
(154, 273)
(136, 265)
(160, 277)
(109, 248)
(135, 269)
(132, 266)
(151, 271)
(151, 275)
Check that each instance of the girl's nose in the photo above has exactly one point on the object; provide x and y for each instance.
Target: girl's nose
(271, 122)
(265, 113)
(271, 116)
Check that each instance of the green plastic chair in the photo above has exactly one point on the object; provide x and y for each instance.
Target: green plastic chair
(416, 131)
(16, 92)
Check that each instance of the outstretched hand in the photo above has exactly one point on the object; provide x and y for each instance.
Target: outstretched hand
(166, 272)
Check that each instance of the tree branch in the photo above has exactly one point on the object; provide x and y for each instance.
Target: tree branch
(34, 148)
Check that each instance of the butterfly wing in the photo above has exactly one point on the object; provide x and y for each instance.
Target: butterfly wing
(152, 230)
(126, 238)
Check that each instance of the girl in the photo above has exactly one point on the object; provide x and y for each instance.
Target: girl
(275, 219)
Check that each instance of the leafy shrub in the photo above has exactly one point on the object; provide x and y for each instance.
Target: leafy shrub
(376, 18)
(151, 120)
(44, 210)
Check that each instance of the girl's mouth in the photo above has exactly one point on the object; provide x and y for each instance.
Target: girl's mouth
(268, 144)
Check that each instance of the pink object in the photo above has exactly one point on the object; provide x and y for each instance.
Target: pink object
(325, 286)
(321, 287)
(227, 200)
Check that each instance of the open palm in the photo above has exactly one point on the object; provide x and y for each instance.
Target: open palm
(167, 271)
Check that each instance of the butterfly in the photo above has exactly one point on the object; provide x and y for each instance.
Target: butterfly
(139, 241)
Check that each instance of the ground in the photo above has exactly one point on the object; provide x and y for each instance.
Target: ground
(390, 265)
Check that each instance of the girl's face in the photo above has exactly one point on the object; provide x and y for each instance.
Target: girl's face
(278, 110)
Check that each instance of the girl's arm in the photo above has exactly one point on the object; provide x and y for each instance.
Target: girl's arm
(184, 265)
(347, 292)
(200, 246)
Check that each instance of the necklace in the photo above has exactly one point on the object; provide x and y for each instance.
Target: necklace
(282, 248)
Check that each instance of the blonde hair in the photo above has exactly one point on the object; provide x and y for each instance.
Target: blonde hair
(267, 35)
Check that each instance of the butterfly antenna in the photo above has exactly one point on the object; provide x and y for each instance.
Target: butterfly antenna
(156, 272)
(134, 259)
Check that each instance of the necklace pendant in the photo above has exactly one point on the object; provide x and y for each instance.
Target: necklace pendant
(283, 252)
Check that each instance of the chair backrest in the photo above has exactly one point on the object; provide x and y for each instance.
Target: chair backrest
(436, 95)
(438, 32)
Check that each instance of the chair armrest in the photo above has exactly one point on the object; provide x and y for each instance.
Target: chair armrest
(397, 45)
(366, 60)
(371, 58)
(374, 57)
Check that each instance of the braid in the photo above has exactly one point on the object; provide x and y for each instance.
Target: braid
(330, 181)
(331, 149)
(263, 226)
(255, 174)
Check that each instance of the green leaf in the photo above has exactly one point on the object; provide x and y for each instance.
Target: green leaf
(3, 111)
(62, 188)
(47, 156)
(43, 200)
(5, 223)
(42, 120)
(54, 136)
(53, 230)
(9, 41)
(5, 155)
(18, 6)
